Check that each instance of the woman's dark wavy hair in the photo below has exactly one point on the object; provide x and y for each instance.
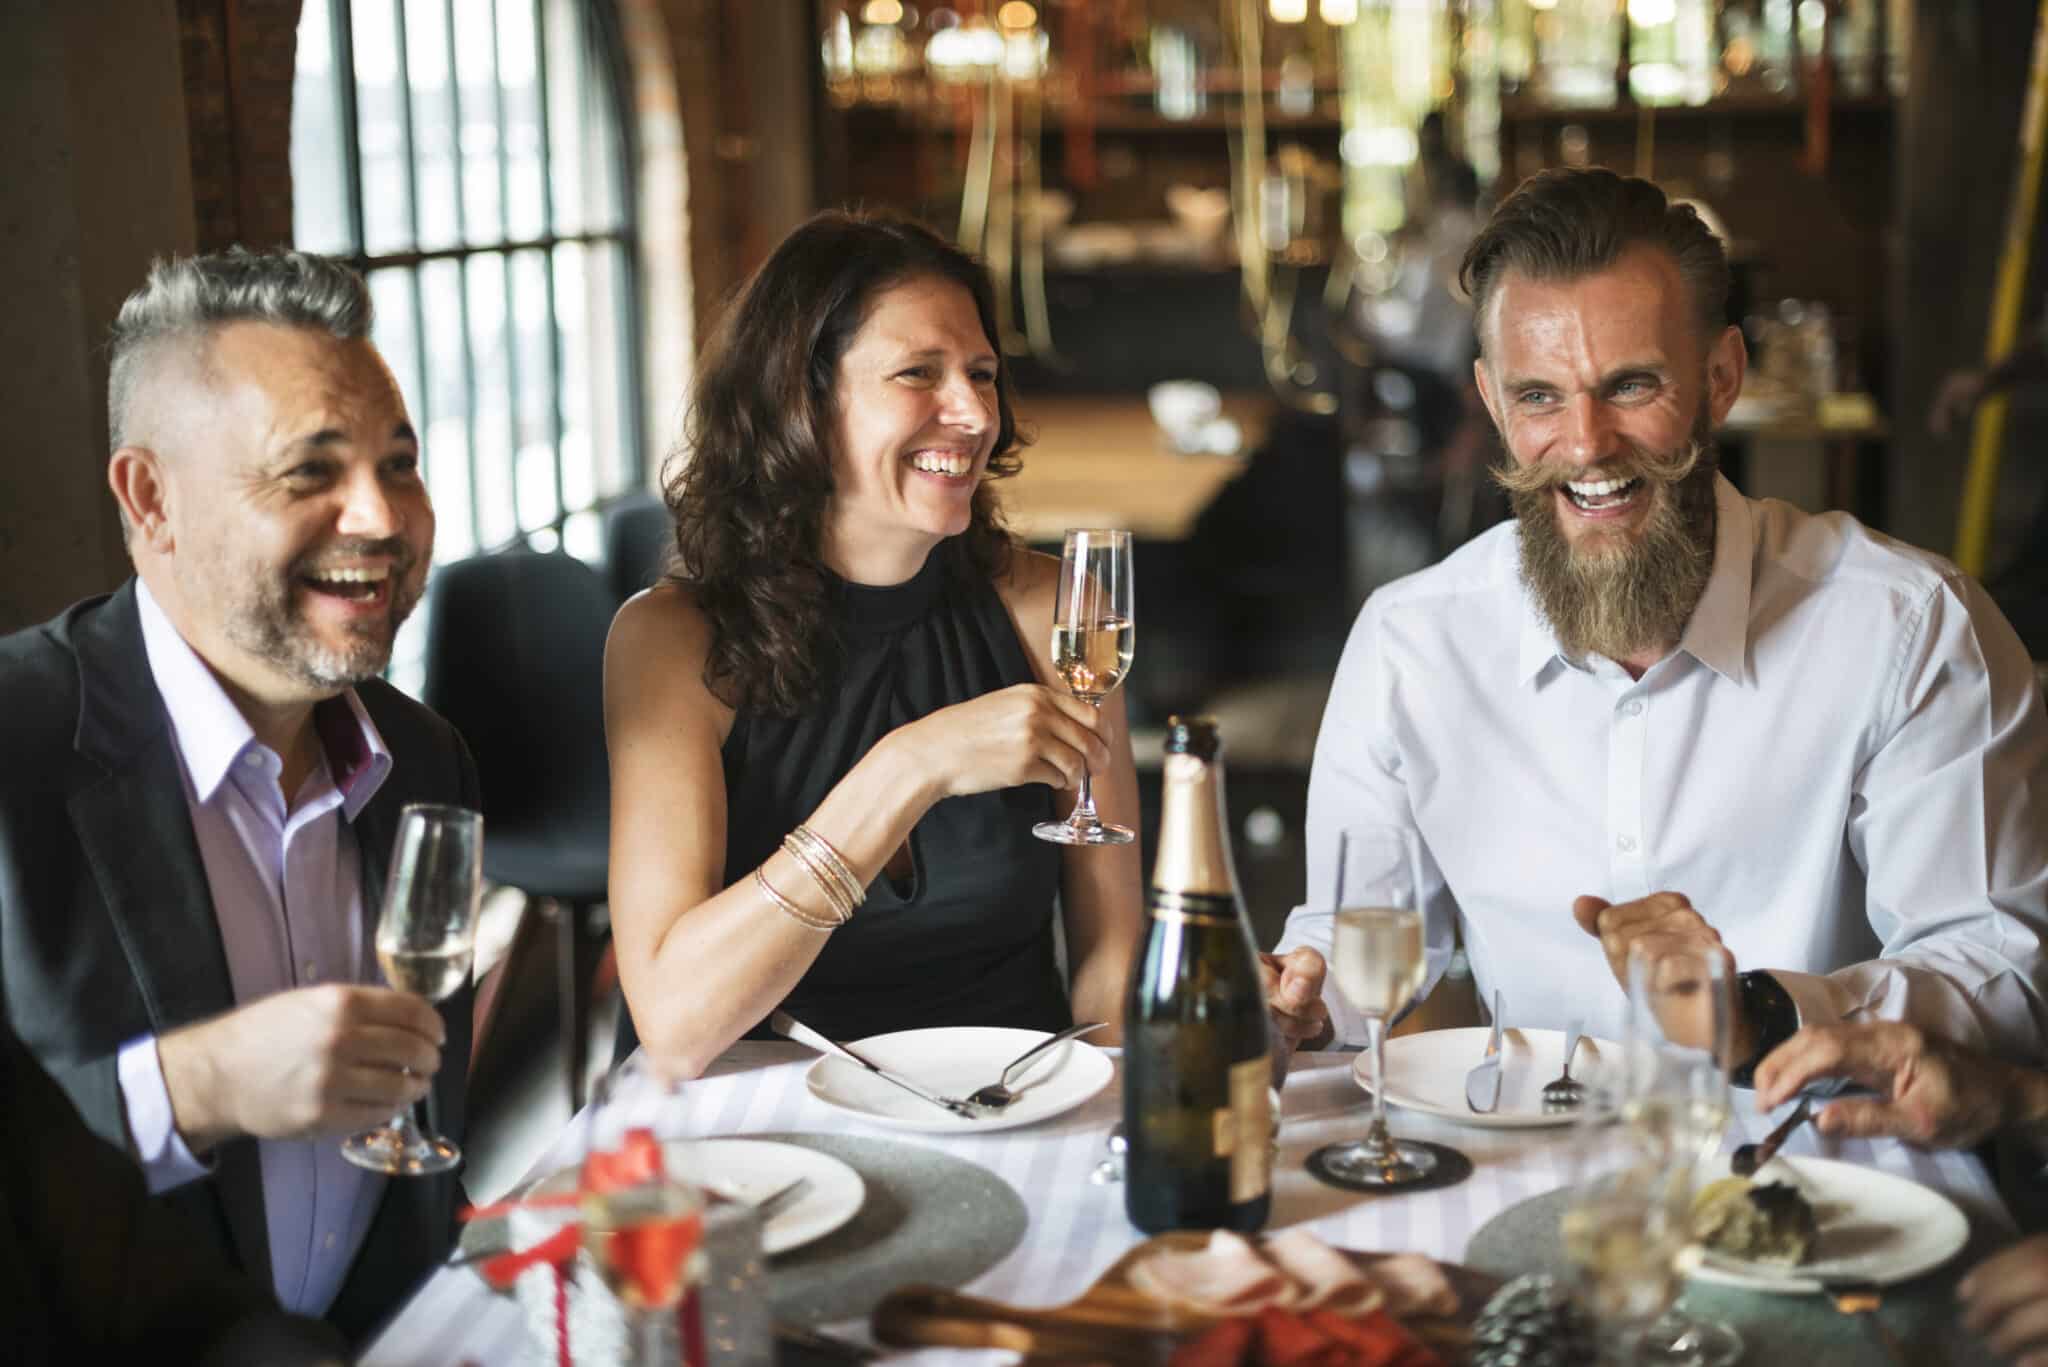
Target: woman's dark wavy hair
(748, 488)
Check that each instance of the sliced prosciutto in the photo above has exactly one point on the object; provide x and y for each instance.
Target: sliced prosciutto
(1414, 1285)
(1323, 1276)
(1226, 1276)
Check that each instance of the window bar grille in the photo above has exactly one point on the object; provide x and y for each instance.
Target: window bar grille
(556, 425)
(341, 24)
(409, 148)
(476, 504)
(509, 326)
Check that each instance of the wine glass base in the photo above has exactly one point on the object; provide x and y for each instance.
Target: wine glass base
(1679, 1340)
(387, 1151)
(1414, 1165)
(1067, 833)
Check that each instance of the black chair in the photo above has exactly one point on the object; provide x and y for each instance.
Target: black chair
(515, 661)
(637, 537)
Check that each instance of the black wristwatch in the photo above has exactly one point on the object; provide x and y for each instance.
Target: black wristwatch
(1764, 1000)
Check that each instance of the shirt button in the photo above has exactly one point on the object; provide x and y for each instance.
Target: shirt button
(253, 760)
(1632, 708)
(1625, 843)
(311, 972)
(328, 1242)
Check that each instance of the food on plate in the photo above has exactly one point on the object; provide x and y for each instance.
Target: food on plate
(1324, 1276)
(1225, 1276)
(1760, 1222)
(1279, 1337)
(1535, 1321)
(1229, 1275)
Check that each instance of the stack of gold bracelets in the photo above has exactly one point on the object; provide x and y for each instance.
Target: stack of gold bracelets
(842, 890)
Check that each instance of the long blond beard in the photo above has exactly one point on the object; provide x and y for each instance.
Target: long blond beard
(1619, 596)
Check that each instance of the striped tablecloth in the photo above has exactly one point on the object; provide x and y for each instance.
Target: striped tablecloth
(1078, 1227)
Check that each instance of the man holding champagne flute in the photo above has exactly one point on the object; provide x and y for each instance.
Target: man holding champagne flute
(199, 780)
(1650, 713)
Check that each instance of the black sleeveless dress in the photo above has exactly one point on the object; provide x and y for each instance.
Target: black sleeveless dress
(968, 939)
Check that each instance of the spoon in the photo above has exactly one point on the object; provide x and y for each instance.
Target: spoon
(998, 1094)
(1749, 1157)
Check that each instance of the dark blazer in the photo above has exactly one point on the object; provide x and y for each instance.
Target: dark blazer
(92, 1270)
(107, 928)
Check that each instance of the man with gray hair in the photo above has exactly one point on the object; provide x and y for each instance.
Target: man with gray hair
(1649, 714)
(200, 776)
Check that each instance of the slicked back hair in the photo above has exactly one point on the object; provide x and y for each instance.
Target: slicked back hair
(1566, 223)
(186, 298)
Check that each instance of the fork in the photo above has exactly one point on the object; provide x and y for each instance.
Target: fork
(1562, 1093)
(998, 1094)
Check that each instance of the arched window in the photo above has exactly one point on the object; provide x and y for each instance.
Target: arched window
(471, 158)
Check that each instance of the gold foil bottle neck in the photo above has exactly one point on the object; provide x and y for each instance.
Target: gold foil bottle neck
(1194, 849)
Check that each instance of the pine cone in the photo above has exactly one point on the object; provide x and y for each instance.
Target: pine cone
(1534, 1321)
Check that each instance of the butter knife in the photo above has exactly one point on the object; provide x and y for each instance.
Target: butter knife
(782, 1023)
(1482, 1084)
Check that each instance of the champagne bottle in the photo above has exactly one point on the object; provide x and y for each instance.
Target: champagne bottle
(1197, 1048)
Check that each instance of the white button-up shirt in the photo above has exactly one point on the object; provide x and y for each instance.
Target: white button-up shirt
(286, 887)
(1844, 765)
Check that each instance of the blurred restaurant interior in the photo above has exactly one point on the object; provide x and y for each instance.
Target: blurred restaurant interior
(1226, 233)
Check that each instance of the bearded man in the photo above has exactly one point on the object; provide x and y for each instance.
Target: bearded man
(200, 777)
(1650, 714)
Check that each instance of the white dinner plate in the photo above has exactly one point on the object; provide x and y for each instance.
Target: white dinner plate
(1426, 1073)
(752, 1169)
(1874, 1227)
(953, 1061)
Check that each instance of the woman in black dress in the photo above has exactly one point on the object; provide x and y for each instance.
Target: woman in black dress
(832, 728)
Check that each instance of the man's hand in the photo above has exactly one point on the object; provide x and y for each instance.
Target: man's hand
(313, 1061)
(2005, 1302)
(1933, 1093)
(1294, 1000)
(1662, 924)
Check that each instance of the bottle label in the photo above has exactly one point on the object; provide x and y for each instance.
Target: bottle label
(1244, 1131)
(1192, 908)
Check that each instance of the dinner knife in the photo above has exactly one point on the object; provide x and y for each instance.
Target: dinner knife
(782, 1023)
(1482, 1084)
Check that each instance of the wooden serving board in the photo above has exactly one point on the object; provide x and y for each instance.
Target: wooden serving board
(1113, 1321)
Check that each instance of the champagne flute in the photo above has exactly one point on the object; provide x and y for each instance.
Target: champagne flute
(1092, 639)
(425, 936)
(1675, 1053)
(1625, 1224)
(642, 1228)
(1377, 960)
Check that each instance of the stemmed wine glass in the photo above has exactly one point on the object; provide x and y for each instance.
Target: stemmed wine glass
(1377, 960)
(1676, 1042)
(1092, 640)
(643, 1227)
(425, 937)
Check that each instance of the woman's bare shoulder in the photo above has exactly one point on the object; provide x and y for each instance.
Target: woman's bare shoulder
(1029, 582)
(660, 642)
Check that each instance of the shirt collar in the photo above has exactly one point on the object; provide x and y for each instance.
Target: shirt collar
(1717, 633)
(212, 733)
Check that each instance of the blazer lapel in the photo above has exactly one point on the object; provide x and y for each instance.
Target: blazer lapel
(136, 832)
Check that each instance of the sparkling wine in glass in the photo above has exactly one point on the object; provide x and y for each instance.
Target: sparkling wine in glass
(1625, 1225)
(1674, 1098)
(425, 937)
(1378, 962)
(1092, 639)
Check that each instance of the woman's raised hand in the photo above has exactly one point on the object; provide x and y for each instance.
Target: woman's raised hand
(1026, 733)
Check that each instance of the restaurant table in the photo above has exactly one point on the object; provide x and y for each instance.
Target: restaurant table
(1077, 1228)
(1101, 461)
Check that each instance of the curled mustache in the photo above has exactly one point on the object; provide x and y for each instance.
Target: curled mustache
(1668, 467)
